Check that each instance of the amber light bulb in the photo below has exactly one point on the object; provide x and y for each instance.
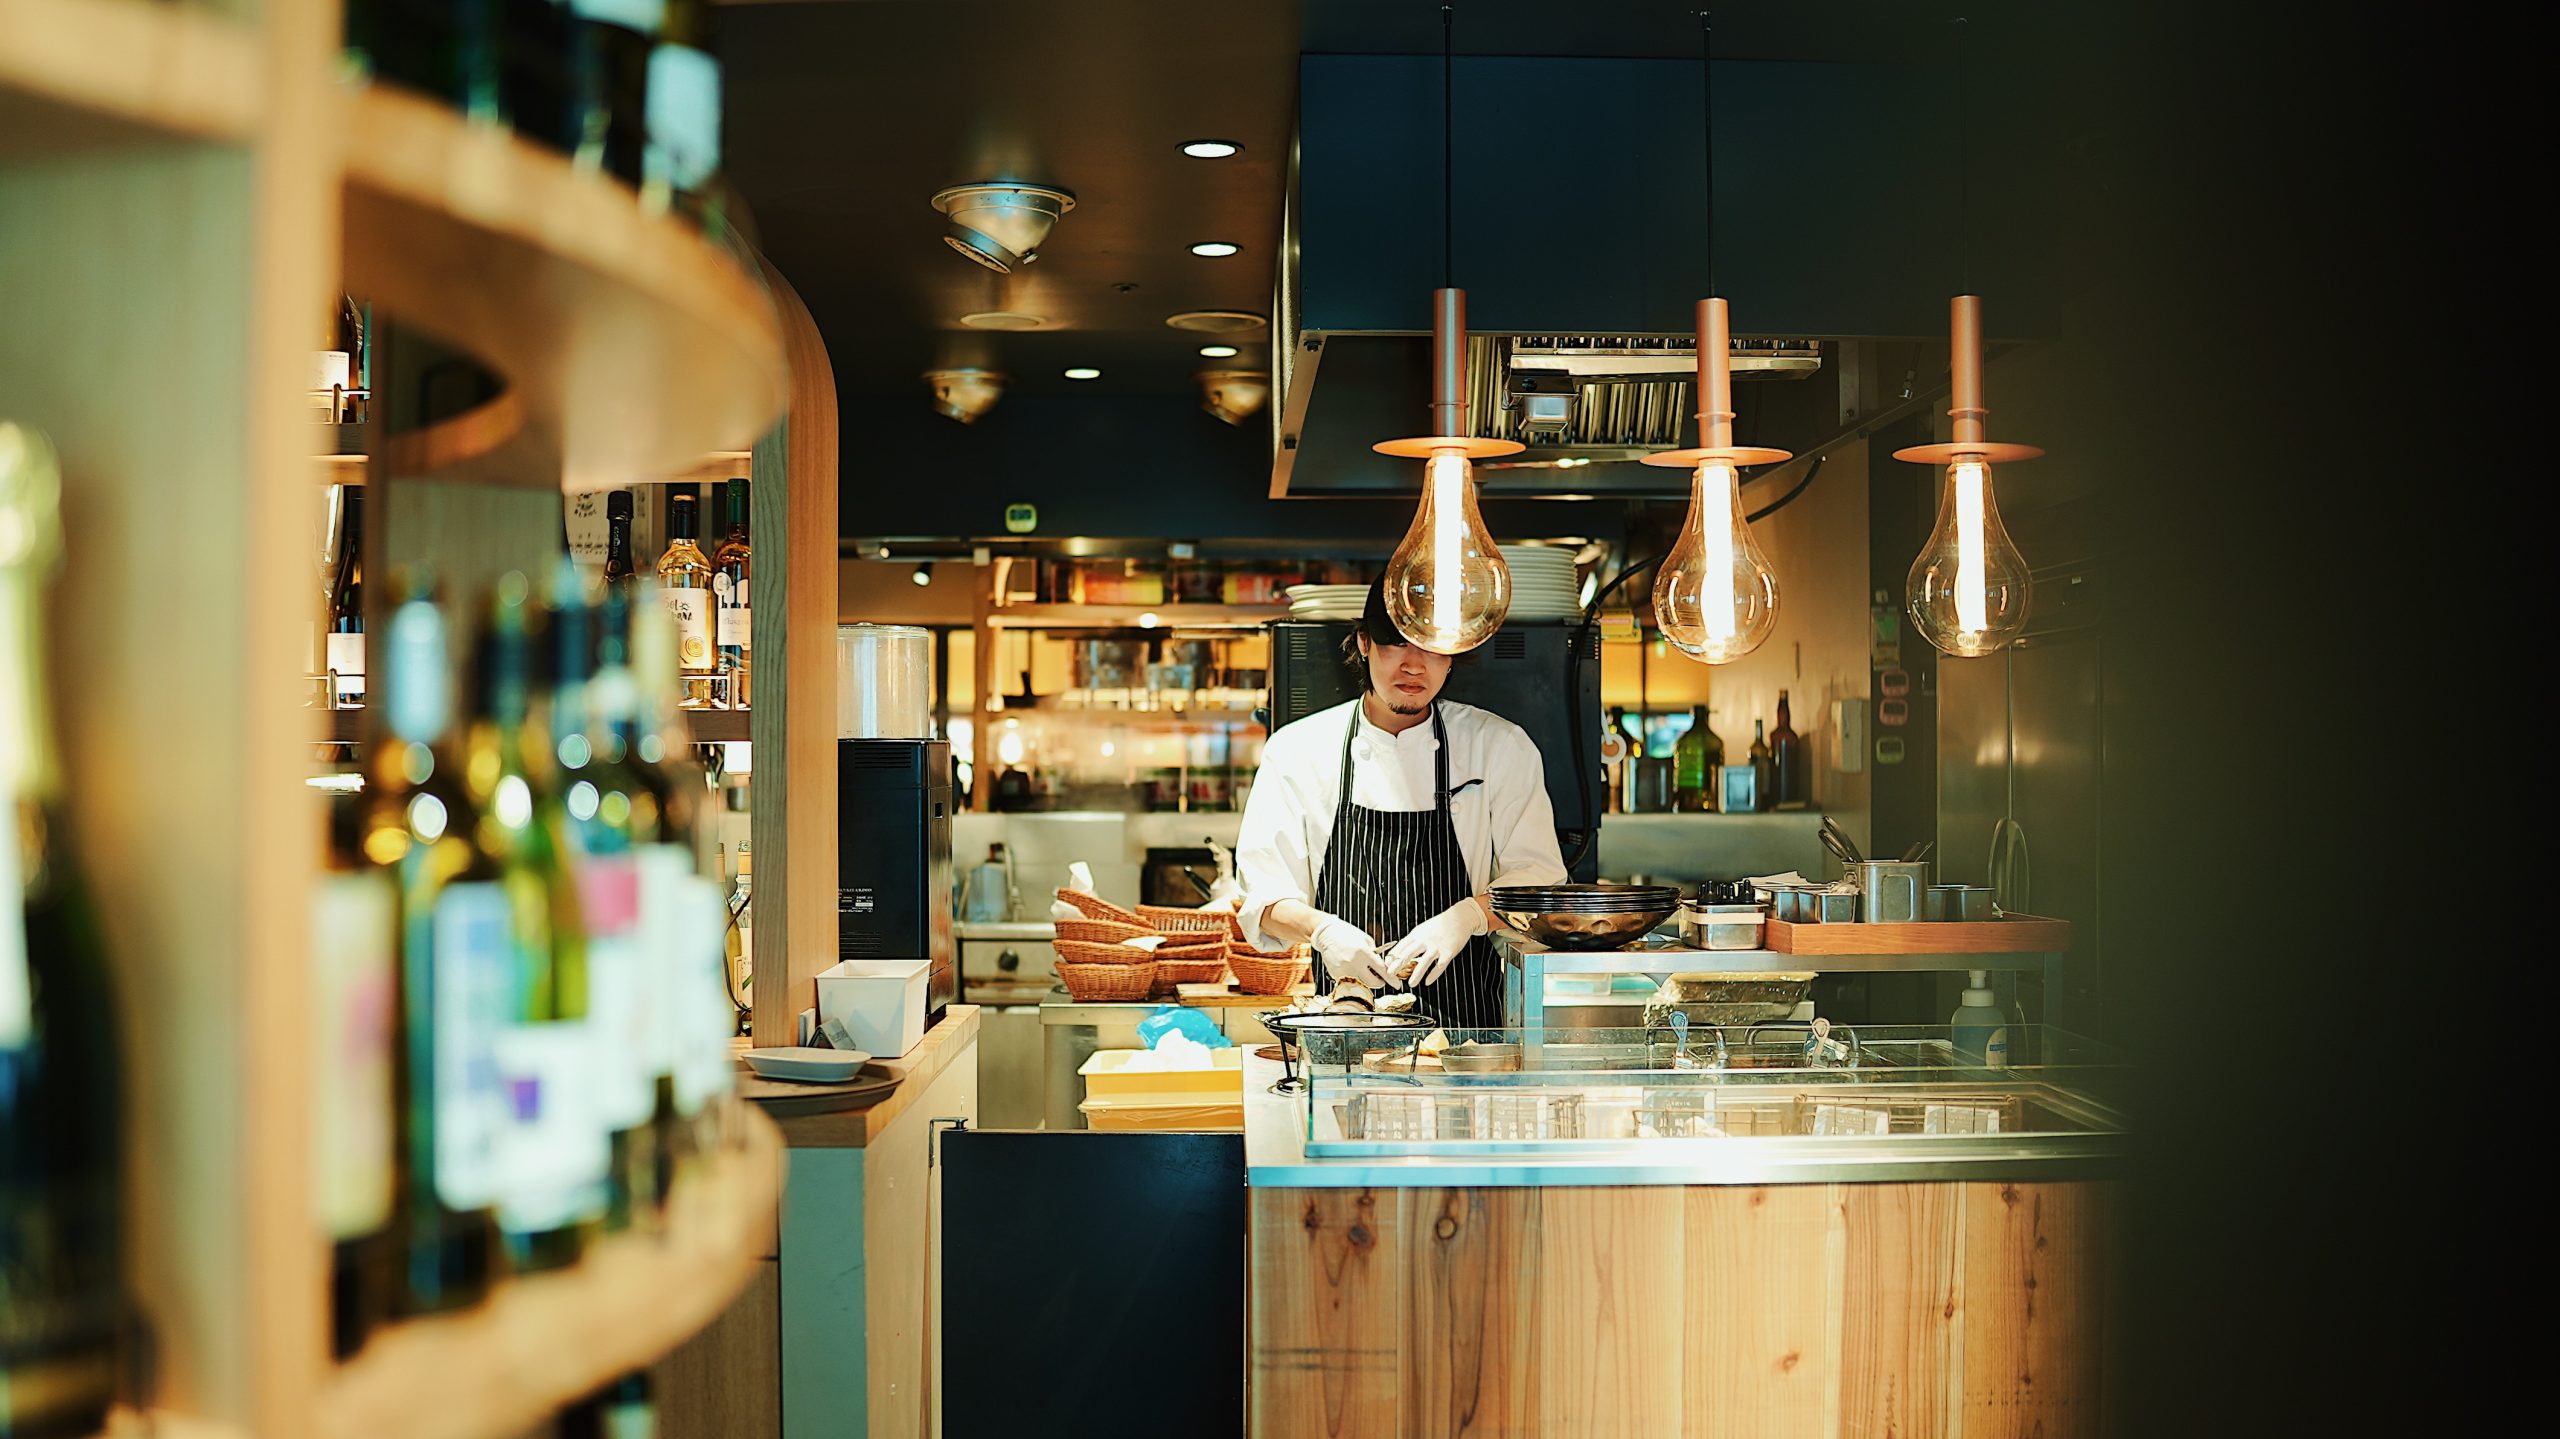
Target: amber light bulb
(1716, 597)
(1969, 587)
(1447, 586)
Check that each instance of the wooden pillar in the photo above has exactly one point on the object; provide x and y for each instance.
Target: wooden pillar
(793, 721)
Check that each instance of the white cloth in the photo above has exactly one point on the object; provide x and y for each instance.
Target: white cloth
(1505, 825)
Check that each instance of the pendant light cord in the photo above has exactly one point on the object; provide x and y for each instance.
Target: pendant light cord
(1707, 90)
(1448, 150)
(1964, 167)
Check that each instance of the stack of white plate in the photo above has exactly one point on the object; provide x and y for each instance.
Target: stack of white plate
(1543, 583)
(1326, 602)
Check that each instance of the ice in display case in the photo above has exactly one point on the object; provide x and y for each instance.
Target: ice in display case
(1664, 1093)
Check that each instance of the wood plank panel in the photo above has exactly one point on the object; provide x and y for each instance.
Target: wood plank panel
(1900, 1310)
(1327, 1285)
(1610, 1326)
(726, 1382)
(1471, 1365)
(792, 499)
(2035, 1306)
(1759, 1292)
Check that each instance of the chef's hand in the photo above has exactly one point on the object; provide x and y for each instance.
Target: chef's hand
(1436, 943)
(1349, 952)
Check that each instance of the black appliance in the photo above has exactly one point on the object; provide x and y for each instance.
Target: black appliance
(1177, 876)
(893, 857)
(1536, 675)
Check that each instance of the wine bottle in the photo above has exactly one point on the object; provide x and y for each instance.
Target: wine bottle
(1787, 757)
(453, 50)
(613, 813)
(62, 1260)
(419, 825)
(617, 547)
(354, 940)
(1689, 773)
(666, 806)
(554, 1156)
(345, 642)
(684, 584)
(1763, 768)
(683, 154)
(609, 52)
(732, 565)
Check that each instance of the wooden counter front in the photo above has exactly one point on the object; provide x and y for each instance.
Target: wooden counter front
(1917, 1310)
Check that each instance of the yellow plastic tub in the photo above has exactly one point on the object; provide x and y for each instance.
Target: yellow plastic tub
(1107, 1076)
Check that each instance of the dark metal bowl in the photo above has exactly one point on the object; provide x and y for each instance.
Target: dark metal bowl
(1582, 930)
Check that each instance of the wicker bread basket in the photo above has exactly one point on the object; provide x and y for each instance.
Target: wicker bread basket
(1096, 907)
(1170, 973)
(1260, 973)
(1220, 921)
(1077, 951)
(1106, 983)
(1100, 931)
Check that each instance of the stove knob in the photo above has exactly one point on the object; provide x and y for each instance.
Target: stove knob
(1008, 961)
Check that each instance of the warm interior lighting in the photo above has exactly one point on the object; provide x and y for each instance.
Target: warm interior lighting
(1211, 149)
(923, 574)
(1217, 352)
(1447, 586)
(1969, 590)
(1214, 249)
(1716, 598)
(1084, 372)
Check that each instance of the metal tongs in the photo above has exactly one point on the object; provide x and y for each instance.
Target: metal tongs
(1821, 1051)
(1836, 840)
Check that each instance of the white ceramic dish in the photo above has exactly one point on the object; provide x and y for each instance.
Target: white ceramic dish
(810, 1066)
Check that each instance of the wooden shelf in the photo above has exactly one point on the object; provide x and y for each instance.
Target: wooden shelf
(708, 726)
(630, 345)
(81, 75)
(543, 1341)
(2017, 934)
(346, 464)
(1126, 617)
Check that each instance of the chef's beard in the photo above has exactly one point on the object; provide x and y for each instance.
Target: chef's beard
(1403, 707)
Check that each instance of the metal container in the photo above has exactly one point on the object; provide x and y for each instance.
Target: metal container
(1727, 926)
(1972, 903)
(1892, 891)
(884, 682)
(1794, 903)
(1936, 904)
(1649, 785)
(1831, 906)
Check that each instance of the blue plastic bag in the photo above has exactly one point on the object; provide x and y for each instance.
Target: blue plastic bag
(1191, 1023)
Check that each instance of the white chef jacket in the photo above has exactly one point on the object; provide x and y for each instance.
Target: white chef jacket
(1506, 828)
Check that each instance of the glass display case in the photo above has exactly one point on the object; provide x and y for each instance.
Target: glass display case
(1733, 1100)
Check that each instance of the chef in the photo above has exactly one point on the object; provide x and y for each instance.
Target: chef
(1377, 827)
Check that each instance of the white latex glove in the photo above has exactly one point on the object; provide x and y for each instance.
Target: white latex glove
(1348, 952)
(1436, 943)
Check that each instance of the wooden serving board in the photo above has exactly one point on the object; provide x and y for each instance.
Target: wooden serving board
(1227, 996)
(2016, 934)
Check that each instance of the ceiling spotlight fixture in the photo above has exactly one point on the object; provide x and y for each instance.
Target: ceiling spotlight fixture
(1216, 322)
(924, 573)
(1083, 372)
(1001, 225)
(1002, 320)
(1217, 352)
(1214, 249)
(884, 552)
(1447, 587)
(1234, 395)
(1210, 149)
(965, 394)
(1716, 598)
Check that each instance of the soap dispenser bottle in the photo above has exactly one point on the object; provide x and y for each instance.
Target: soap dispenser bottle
(1980, 1029)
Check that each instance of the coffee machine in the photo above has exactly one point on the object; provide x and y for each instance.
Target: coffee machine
(893, 857)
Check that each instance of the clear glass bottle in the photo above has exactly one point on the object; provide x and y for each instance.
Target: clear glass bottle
(684, 585)
(733, 629)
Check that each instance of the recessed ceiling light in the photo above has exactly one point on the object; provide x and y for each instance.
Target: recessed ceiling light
(1217, 352)
(1214, 249)
(1002, 320)
(1211, 149)
(1084, 372)
(1216, 322)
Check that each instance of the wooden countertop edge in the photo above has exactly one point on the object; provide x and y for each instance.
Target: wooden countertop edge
(916, 1070)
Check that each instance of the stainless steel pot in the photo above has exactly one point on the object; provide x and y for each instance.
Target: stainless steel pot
(1891, 891)
(884, 682)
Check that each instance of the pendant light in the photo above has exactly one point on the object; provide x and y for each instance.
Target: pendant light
(1715, 598)
(1447, 587)
(1969, 589)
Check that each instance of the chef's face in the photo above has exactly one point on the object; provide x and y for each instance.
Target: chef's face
(1407, 677)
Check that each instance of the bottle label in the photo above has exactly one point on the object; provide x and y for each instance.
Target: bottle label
(555, 1151)
(352, 922)
(664, 869)
(706, 1016)
(684, 117)
(474, 966)
(589, 530)
(1995, 1049)
(736, 627)
(619, 993)
(691, 610)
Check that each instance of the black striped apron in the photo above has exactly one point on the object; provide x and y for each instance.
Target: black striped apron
(1389, 870)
